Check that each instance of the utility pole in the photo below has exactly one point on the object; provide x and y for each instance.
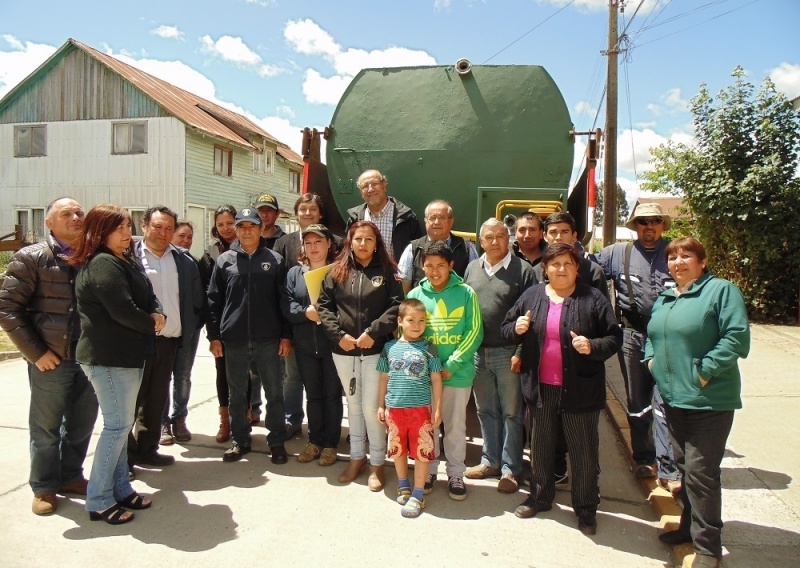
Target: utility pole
(610, 165)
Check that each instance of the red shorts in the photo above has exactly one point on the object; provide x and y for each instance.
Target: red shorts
(410, 432)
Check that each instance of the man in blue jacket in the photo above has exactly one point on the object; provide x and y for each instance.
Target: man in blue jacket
(246, 324)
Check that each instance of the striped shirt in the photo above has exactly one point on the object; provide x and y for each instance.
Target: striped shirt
(409, 366)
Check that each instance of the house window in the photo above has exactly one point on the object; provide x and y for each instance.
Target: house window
(129, 138)
(32, 222)
(137, 215)
(294, 181)
(30, 141)
(262, 161)
(223, 161)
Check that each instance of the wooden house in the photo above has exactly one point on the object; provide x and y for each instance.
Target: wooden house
(86, 125)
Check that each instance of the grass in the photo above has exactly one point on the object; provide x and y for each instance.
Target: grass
(5, 342)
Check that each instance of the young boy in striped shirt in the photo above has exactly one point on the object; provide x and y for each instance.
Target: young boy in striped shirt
(410, 404)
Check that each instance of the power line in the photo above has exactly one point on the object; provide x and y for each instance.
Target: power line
(530, 30)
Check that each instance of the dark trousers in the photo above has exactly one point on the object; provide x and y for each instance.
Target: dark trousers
(698, 438)
(152, 398)
(649, 433)
(323, 399)
(239, 356)
(583, 441)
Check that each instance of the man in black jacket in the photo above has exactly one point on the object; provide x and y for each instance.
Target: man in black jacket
(397, 223)
(246, 325)
(37, 310)
(176, 283)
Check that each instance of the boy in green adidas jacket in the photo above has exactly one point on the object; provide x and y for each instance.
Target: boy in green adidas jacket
(454, 325)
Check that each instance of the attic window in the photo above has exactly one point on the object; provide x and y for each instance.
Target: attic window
(130, 138)
(223, 161)
(262, 161)
(30, 141)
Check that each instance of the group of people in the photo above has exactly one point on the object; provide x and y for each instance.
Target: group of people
(408, 324)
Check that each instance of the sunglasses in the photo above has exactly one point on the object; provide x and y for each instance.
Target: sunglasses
(649, 221)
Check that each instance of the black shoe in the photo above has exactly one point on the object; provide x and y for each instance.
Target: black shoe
(131, 473)
(528, 508)
(430, 480)
(562, 478)
(279, 455)
(235, 452)
(587, 524)
(154, 458)
(675, 537)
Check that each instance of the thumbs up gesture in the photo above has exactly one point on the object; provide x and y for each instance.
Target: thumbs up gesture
(523, 323)
(581, 344)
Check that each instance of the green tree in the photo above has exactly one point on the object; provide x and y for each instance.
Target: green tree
(740, 184)
(623, 211)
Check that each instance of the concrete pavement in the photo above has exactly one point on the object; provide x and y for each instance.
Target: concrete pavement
(252, 512)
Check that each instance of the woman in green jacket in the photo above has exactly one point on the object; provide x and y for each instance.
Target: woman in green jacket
(696, 335)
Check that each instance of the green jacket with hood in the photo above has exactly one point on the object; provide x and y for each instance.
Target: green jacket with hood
(703, 331)
(454, 325)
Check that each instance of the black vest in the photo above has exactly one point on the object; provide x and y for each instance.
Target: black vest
(460, 257)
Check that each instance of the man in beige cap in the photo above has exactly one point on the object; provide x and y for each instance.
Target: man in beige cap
(640, 274)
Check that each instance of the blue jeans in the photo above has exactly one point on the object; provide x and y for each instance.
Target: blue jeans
(498, 397)
(362, 405)
(182, 381)
(292, 392)
(62, 414)
(116, 389)
(263, 356)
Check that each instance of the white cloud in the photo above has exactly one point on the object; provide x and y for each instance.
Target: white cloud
(671, 103)
(284, 111)
(586, 108)
(20, 61)
(633, 147)
(786, 77)
(168, 32)
(441, 4)
(264, 3)
(231, 49)
(270, 70)
(308, 38)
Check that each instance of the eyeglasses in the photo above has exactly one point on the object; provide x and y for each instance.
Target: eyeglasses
(644, 221)
(434, 218)
(368, 184)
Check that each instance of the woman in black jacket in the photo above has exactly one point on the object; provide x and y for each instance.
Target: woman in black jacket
(119, 319)
(358, 310)
(313, 350)
(567, 331)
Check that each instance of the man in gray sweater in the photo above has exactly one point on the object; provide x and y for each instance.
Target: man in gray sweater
(499, 278)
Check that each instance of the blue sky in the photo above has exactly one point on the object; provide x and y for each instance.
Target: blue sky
(285, 63)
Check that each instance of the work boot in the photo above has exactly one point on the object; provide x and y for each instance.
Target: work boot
(224, 433)
(353, 470)
(44, 503)
(376, 478)
(180, 431)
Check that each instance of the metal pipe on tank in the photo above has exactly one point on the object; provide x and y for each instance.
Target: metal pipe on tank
(463, 67)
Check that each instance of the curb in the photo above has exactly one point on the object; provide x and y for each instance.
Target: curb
(664, 504)
(6, 355)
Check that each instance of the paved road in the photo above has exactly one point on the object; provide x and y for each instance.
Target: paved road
(252, 512)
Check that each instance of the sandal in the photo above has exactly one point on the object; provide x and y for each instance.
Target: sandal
(114, 515)
(413, 508)
(403, 495)
(135, 501)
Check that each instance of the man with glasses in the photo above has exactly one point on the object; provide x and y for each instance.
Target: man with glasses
(438, 225)
(397, 223)
(640, 274)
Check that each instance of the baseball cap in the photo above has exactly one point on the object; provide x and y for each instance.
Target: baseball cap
(267, 200)
(248, 214)
(317, 229)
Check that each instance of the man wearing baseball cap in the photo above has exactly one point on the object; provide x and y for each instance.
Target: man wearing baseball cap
(640, 274)
(247, 326)
(269, 211)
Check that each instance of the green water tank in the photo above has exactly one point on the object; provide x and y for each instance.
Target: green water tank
(450, 132)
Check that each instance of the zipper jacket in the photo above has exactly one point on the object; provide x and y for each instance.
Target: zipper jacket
(366, 302)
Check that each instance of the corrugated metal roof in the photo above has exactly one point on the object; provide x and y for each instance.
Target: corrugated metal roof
(196, 112)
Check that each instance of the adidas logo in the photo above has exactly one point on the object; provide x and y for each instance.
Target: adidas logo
(440, 320)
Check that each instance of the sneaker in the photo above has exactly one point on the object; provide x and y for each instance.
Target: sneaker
(456, 488)
(587, 524)
(481, 471)
(328, 457)
(279, 455)
(180, 431)
(166, 436)
(429, 481)
(413, 508)
(235, 452)
(508, 483)
(309, 453)
(44, 503)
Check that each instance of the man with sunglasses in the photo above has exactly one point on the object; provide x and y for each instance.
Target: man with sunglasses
(639, 271)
